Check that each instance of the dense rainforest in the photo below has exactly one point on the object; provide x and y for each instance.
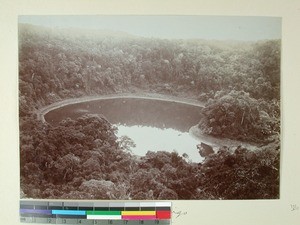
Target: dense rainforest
(83, 158)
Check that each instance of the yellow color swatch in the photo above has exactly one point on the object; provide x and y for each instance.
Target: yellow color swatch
(138, 213)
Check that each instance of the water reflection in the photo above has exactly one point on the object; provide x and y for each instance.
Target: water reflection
(133, 111)
(156, 139)
(152, 124)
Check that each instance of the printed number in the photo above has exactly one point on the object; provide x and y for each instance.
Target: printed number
(110, 222)
(95, 222)
(64, 221)
(79, 221)
(125, 221)
(156, 222)
(49, 220)
(141, 222)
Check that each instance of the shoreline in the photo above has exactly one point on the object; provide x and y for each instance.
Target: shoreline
(218, 142)
(193, 131)
(153, 96)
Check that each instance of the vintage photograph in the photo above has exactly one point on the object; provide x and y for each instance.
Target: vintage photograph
(149, 107)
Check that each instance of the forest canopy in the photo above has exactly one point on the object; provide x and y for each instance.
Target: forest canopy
(239, 82)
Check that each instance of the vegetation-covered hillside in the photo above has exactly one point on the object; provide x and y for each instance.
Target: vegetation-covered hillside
(82, 158)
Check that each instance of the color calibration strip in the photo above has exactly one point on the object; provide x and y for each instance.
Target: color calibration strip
(130, 213)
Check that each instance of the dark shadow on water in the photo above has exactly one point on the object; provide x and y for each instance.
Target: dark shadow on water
(133, 111)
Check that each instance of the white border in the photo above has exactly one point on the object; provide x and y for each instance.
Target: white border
(270, 212)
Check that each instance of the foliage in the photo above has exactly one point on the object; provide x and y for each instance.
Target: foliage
(237, 116)
(59, 64)
(126, 143)
(59, 167)
(243, 174)
(83, 159)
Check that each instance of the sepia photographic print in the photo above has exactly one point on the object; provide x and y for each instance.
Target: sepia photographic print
(149, 107)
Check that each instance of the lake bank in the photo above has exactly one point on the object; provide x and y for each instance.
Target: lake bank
(193, 131)
(153, 96)
(218, 142)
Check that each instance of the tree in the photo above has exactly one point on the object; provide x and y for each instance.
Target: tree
(64, 169)
(235, 115)
(126, 143)
(168, 194)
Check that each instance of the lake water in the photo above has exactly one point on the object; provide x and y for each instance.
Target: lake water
(152, 124)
